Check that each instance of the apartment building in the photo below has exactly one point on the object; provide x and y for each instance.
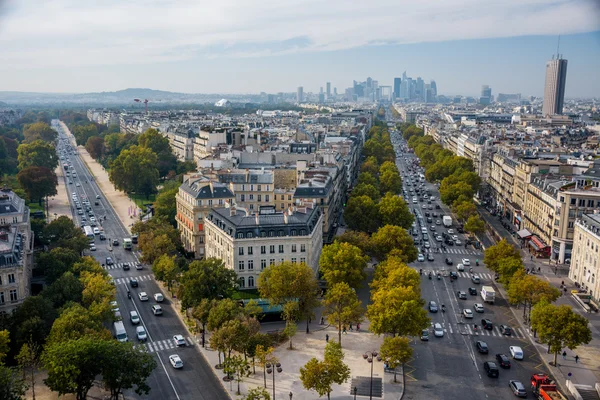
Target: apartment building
(181, 140)
(249, 243)
(196, 197)
(16, 251)
(252, 188)
(585, 264)
(501, 180)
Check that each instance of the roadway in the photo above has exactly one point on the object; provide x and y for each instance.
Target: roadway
(196, 380)
(450, 367)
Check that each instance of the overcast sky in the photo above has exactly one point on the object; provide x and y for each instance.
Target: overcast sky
(249, 46)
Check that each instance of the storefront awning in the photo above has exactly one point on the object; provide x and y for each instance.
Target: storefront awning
(538, 242)
(524, 233)
(535, 246)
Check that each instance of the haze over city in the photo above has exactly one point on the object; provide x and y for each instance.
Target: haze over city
(249, 47)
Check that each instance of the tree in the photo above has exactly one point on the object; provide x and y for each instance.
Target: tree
(65, 289)
(342, 307)
(265, 356)
(361, 214)
(464, 210)
(559, 327)
(395, 351)
(4, 344)
(75, 322)
(343, 262)
(37, 154)
(239, 367)
(165, 204)
(135, 170)
(397, 311)
(39, 131)
(32, 321)
(508, 267)
(390, 182)
(388, 166)
(364, 189)
(62, 233)
(256, 340)
(83, 133)
(98, 292)
(356, 238)
(165, 269)
(449, 193)
(159, 144)
(201, 312)
(154, 245)
(257, 394)
(370, 165)
(393, 240)
(206, 279)
(393, 272)
(529, 290)
(56, 263)
(500, 251)
(321, 375)
(393, 210)
(29, 361)
(125, 367)
(366, 178)
(95, 147)
(12, 385)
(474, 224)
(38, 182)
(225, 310)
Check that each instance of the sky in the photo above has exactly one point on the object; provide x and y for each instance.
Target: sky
(250, 46)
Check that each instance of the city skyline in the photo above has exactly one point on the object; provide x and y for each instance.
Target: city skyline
(107, 50)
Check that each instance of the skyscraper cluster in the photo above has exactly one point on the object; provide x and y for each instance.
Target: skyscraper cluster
(409, 89)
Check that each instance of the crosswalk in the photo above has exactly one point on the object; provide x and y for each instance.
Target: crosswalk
(161, 345)
(484, 276)
(140, 278)
(468, 329)
(457, 250)
(119, 266)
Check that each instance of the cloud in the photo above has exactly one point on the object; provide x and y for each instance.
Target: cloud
(36, 34)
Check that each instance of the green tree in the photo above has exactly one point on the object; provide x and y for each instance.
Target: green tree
(4, 344)
(166, 269)
(474, 224)
(258, 339)
(390, 182)
(464, 210)
(39, 131)
(56, 262)
(75, 322)
(29, 362)
(62, 233)
(363, 189)
(12, 384)
(395, 351)
(135, 170)
(65, 289)
(95, 147)
(239, 367)
(449, 193)
(529, 290)
(225, 310)
(201, 312)
(32, 321)
(321, 375)
(83, 132)
(153, 245)
(397, 311)
(98, 292)
(371, 166)
(393, 210)
(206, 279)
(388, 166)
(38, 182)
(343, 262)
(393, 240)
(356, 238)
(37, 154)
(257, 394)
(265, 356)
(500, 251)
(159, 144)
(559, 327)
(508, 267)
(362, 214)
(125, 367)
(366, 178)
(393, 272)
(165, 204)
(342, 307)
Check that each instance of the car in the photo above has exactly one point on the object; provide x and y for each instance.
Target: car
(115, 242)
(449, 242)
(157, 310)
(450, 231)
(473, 291)
(478, 307)
(70, 182)
(141, 334)
(175, 361)
(466, 262)
(503, 361)
(448, 261)
(430, 257)
(143, 296)
(139, 266)
(126, 267)
(77, 184)
(424, 206)
(134, 317)
(460, 267)
(425, 335)
(98, 196)
(438, 238)
(482, 347)
(133, 282)
(437, 206)
(505, 330)
(80, 212)
(93, 219)
(517, 388)
(457, 242)
(453, 275)
(468, 313)
(487, 324)
(179, 340)
(420, 257)
(454, 237)
(434, 214)
(433, 306)
(92, 247)
(438, 222)
(438, 331)
(109, 261)
(114, 306)
(432, 228)
(427, 245)
(516, 352)
(102, 236)
(475, 279)
(461, 295)
(491, 369)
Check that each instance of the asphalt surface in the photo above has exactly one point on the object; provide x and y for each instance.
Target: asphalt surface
(196, 379)
(450, 367)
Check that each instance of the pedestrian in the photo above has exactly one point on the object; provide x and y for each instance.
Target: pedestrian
(531, 258)
(351, 327)
(576, 359)
(322, 320)
(562, 283)
(564, 355)
(344, 330)
(326, 338)
(565, 290)
(357, 327)
(539, 269)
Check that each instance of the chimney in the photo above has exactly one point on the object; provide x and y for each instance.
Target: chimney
(232, 211)
(285, 217)
(257, 219)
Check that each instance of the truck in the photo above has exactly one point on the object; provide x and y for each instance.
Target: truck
(544, 389)
(447, 220)
(127, 243)
(488, 294)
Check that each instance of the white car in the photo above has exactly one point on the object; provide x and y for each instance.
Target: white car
(450, 231)
(179, 340)
(460, 267)
(516, 352)
(140, 332)
(420, 257)
(478, 307)
(134, 317)
(143, 296)
(438, 331)
(114, 306)
(468, 313)
(466, 262)
(175, 361)
(158, 297)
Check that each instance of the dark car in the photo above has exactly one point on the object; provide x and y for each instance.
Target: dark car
(503, 360)
(448, 261)
(517, 388)
(491, 369)
(482, 347)
(115, 242)
(453, 275)
(102, 236)
(437, 206)
(506, 330)
(133, 282)
(109, 261)
(430, 257)
(487, 324)
(429, 220)
(473, 291)
(126, 267)
(460, 229)
(449, 242)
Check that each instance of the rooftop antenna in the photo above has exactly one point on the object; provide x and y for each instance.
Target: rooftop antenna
(558, 49)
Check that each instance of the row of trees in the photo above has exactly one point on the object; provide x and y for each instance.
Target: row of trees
(557, 326)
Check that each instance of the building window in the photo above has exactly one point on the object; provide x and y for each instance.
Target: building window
(242, 282)
(210, 202)
(252, 188)
(282, 205)
(271, 233)
(293, 248)
(293, 260)
(302, 248)
(303, 232)
(263, 234)
(289, 197)
(250, 265)
(11, 278)
(13, 295)
(251, 196)
(249, 235)
(240, 235)
(303, 260)
(293, 232)
(1, 297)
(250, 281)
(250, 252)
(272, 261)
(259, 197)
(242, 197)
(241, 265)
(263, 264)
(272, 249)
(581, 202)
(241, 251)
(263, 249)
(280, 233)
(259, 189)
(280, 248)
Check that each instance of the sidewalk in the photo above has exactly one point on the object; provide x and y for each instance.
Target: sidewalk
(59, 204)
(119, 201)
(587, 371)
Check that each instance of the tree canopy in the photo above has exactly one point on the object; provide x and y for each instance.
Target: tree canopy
(206, 279)
(37, 154)
(393, 240)
(343, 262)
(135, 170)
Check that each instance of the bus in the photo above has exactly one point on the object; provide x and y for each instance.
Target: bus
(89, 232)
(127, 244)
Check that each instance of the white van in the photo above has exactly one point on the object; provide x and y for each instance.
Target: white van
(120, 333)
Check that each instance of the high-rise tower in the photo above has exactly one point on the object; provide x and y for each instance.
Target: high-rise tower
(300, 94)
(554, 89)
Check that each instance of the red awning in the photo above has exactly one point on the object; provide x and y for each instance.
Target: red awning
(538, 242)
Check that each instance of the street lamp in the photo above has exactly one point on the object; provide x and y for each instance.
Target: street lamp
(369, 355)
(272, 369)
